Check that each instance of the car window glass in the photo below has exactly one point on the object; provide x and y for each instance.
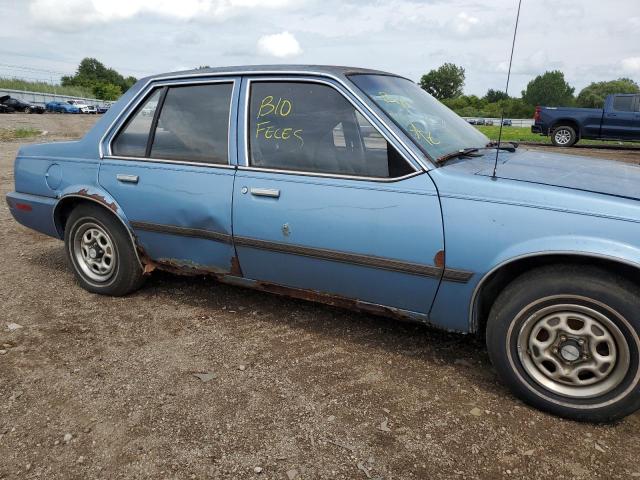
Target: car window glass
(309, 127)
(623, 104)
(194, 124)
(132, 141)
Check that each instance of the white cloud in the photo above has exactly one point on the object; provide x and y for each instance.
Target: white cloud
(464, 23)
(279, 45)
(73, 14)
(631, 64)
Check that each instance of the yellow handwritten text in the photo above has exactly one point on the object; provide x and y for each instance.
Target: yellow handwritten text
(387, 98)
(421, 135)
(281, 108)
(266, 130)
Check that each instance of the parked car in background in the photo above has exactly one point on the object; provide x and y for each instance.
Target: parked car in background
(618, 120)
(6, 108)
(20, 106)
(61, 107)
(281, 186)
(488, 122)
(82, 106)
(506, 122)
(480, 121)
(103, 108)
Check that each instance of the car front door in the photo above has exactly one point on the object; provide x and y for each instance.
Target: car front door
(170, 167)
(325, 204)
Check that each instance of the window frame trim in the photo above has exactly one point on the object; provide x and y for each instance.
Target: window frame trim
(130, 109)
(246, 166)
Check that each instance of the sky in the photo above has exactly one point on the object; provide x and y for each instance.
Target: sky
(589, 40)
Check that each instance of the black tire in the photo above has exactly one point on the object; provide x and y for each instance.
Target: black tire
(123, 273)
(27, 110)
(563, 136)
(535, 301)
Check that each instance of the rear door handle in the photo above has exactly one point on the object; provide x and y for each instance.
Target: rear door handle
(265, 192)
(121, 177)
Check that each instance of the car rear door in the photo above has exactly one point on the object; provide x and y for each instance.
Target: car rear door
(326, 204)
(170, 166)
(620, 118)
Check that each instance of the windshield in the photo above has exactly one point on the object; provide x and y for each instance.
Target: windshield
(437, 130)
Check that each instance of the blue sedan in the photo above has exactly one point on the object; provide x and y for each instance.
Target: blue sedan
(356, 188)
(61, 107)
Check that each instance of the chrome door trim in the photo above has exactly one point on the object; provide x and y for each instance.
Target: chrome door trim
(164, 160)
(329, 175)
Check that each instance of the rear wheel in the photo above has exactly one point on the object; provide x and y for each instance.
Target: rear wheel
(27, 110)
(563, 136)
(566, 340)
(100, 252)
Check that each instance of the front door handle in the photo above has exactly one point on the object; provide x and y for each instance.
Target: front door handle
(121, 177)
(265, 192)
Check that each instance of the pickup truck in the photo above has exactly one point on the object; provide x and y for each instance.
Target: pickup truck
(618, 120)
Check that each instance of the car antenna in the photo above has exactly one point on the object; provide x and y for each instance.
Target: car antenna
(506, 91)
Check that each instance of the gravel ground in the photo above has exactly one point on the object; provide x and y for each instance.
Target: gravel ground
(99, 387)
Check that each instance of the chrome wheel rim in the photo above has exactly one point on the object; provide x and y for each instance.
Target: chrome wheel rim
(573, 351)
(94, 252)
(562, 136)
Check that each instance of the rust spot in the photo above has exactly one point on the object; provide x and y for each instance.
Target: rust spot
(235, 267)
(337, 301)
(438, 259)
(110, 205)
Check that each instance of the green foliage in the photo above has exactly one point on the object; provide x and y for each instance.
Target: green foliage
(445, 82)
(495, 95)
(43, 87)
(549, 89)
(593, 95)
(107, 91)
(104, 82)
(472, 106)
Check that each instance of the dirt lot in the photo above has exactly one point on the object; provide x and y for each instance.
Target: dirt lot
(98, 387)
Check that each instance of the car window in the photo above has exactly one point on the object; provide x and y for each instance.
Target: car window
(623, 104)
(310, 127)
(132, 140)
(194, 124)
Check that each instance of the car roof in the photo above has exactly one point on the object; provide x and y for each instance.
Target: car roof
(334, 70)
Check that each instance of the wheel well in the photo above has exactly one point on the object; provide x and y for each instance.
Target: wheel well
(67, 205)
(569, 123)
(498, 280)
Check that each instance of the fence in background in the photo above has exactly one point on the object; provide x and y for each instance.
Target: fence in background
(516, 122)
(40, 98)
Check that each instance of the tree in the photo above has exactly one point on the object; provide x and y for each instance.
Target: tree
(94, 75)
(549, 89)
(107, 91)
(445, 82)
(495, 95)
(593, 95)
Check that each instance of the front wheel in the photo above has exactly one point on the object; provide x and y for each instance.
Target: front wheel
(563, 136)
(565, 339)
(100, 252)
